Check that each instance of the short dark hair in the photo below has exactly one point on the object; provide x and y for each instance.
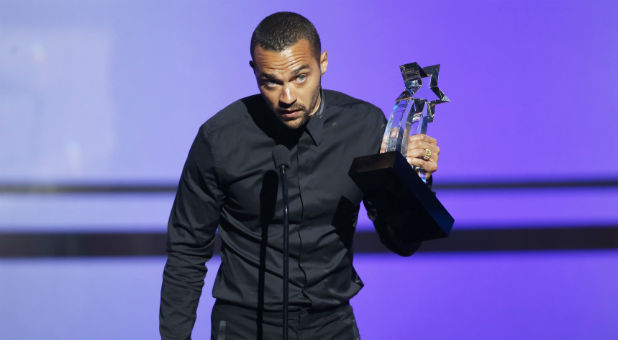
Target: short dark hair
(280, 30)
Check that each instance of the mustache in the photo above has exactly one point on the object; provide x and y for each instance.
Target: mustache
(293, 108)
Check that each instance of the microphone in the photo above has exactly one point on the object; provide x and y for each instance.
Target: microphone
(281, 157)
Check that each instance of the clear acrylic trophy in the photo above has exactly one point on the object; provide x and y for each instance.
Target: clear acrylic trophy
(410, 114)
(389, 176)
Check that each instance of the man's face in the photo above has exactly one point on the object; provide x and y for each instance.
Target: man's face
(289, 81)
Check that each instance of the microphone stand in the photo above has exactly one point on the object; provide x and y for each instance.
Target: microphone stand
(286, 241)
(281, 156)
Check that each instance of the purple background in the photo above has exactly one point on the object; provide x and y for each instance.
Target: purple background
(114, 91)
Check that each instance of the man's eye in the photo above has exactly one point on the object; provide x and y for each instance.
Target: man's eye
(301, 78)
(269, 84)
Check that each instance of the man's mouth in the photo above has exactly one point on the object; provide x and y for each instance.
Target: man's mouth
(289, 114)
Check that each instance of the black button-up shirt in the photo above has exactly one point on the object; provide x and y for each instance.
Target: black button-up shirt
(229, 182)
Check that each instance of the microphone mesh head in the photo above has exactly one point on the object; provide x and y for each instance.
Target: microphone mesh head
(281, 156)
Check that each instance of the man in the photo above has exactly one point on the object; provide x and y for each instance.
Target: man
(229, 182)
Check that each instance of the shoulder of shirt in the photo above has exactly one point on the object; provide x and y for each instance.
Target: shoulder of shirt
(347, 102)
(230, 118)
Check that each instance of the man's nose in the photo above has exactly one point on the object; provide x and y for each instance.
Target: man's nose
(287, 97)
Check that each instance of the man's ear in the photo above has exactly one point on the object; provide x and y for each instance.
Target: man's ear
(323, 62)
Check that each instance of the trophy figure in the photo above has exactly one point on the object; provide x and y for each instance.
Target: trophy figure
(388, 174)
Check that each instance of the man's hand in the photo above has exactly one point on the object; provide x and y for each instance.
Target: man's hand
(423, 151)
(418, 154)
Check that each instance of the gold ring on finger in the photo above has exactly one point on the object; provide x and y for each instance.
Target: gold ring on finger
(427, 155)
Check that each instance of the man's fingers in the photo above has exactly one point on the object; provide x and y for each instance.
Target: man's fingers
(417, 150)
(422, 138)
(418, 141)
(420, 153)
(421, 145)
(428, 166)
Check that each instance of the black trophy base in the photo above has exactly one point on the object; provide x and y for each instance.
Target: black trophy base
(388, 175)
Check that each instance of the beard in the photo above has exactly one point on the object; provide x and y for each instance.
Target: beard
(305, 114)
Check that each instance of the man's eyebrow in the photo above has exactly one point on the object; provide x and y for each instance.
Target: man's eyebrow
(300, 69)
(268, 76)
(271, 76)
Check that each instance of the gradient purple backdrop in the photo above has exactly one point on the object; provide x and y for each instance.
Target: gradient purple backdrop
(113, 91)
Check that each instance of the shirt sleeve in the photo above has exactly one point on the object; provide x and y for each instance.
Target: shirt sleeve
(390, 219)
(190, 241)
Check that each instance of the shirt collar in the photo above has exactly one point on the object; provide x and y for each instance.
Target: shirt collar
(316, 122)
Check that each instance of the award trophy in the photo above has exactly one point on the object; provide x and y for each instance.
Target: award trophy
(388, 174)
